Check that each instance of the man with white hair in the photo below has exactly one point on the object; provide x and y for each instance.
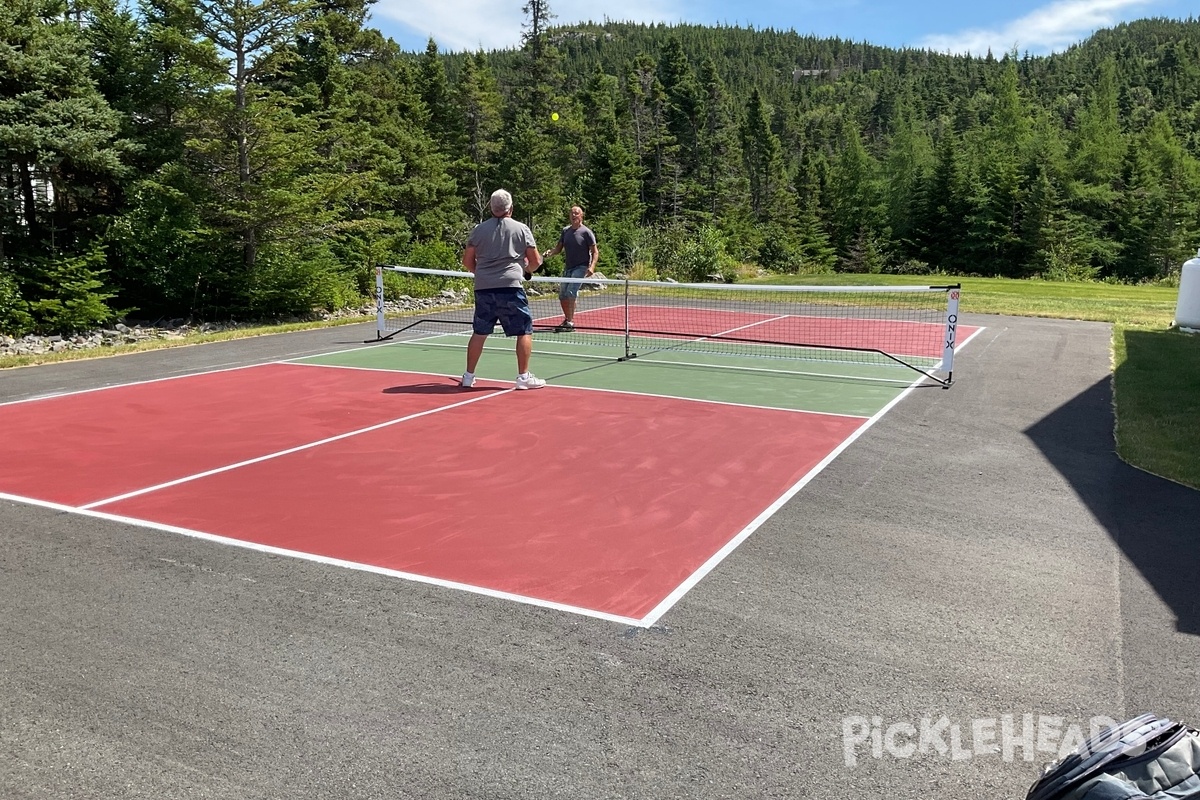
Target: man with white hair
(499, 253)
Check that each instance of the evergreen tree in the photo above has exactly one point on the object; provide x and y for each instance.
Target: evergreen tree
(942, 215)
(765, 166)
(444, 124)
(252, 34)
(908, 165)
(682, 110)
(526, 169)
(56, 150)
(816, 253)
(653, 144)
(611, 179)
(479, 107)
(1159, 204)
(723, 186)
(857, 209)
(1097, 156)
(993, 241)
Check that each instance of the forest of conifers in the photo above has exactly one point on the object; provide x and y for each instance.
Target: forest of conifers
(216, 159)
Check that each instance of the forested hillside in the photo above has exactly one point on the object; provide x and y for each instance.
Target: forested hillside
(229, 158)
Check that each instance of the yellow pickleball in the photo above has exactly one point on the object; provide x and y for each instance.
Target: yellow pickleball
(554, 116)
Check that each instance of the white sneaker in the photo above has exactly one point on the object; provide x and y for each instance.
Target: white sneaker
(529, 381)
(468, 380)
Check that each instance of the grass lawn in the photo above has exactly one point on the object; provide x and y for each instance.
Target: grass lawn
(1156, 380)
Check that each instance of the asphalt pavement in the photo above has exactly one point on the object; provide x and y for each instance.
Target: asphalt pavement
(969, 586)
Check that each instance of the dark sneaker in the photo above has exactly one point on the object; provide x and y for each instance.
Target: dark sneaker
(566, 326)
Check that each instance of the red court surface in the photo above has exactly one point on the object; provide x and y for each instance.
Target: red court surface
(602, 503)
(81, 448)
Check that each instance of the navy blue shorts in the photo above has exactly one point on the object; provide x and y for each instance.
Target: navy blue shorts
(509, 307)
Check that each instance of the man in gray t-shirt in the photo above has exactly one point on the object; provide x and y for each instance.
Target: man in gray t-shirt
(579, 242)
(499, 251)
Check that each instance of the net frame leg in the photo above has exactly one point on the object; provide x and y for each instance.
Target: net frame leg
(953, 295)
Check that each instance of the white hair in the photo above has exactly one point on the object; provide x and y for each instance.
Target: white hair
(501, 202)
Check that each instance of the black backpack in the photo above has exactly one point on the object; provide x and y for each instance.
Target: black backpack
(1146, 758)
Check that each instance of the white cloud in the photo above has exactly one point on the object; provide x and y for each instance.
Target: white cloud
(472, 24)
(1049, 29)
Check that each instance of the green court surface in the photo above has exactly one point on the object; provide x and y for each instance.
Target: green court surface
(821, 386)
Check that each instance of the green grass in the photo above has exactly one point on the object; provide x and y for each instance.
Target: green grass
(1156, 380)
(1157, 395)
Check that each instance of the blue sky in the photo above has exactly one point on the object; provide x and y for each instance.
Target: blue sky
(958, 26)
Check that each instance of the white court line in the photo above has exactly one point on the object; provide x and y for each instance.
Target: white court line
(289, 451)
(712, 402)
(566, 387)
(732, 544)
(709, 565)
(210, 370)
(490, 347)
(137, 383)
(965, 341)
(647, 621)
(337, 562)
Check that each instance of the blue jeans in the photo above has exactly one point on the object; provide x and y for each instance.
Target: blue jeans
(509, 307)
(569, 291)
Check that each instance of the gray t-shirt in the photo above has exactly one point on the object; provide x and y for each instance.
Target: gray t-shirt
(577, 245)
(500, 245)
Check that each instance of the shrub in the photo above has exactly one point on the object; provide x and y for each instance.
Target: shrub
(692, 257)
(778, 252)
(15, 318)
(66, 294)
(432, 255)
(296, 283)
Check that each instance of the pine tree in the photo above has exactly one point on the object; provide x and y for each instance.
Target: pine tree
(479, 106)
(998, 151)
(252, 34)
(765, 167)
(655, 147)
(1097, 155)
(444, 124)
(1159, 204)
(56, 149)
(857, 207)
(908, 165)
(816, 252)
(723, 186)
(682, 111)
(942, 213)
(526, 169)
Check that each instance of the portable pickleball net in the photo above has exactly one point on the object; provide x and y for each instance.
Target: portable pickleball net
(893, 330)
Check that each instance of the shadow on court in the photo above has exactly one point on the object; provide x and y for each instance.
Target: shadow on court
(449, 387)
(1152, 520)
